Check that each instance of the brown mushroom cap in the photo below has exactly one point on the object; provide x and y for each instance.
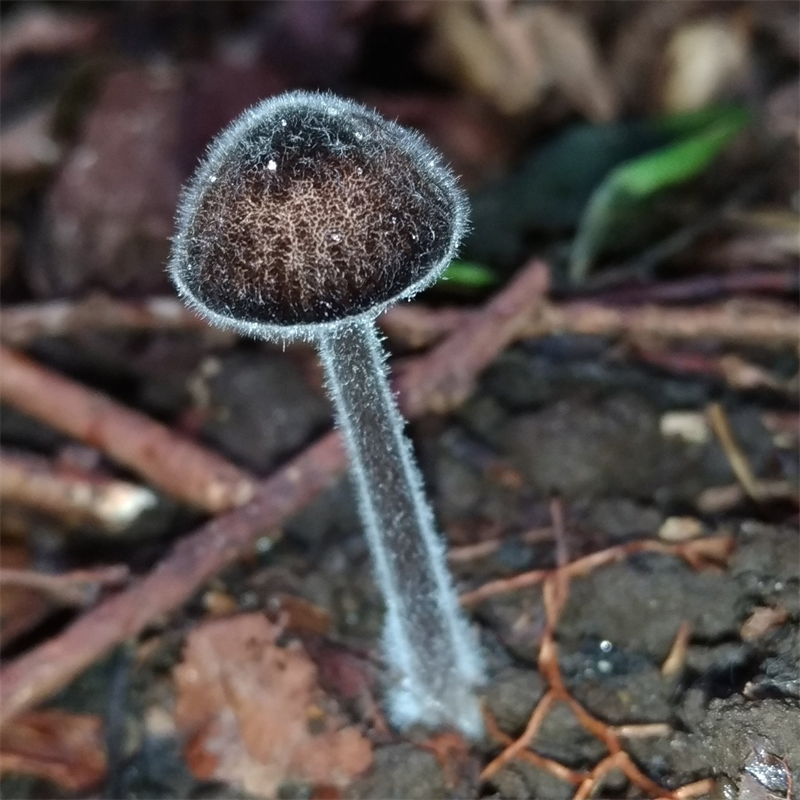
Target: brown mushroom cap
(312, 209)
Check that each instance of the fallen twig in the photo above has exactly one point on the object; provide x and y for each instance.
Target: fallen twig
(768, 325)
(698, 553)
(47, 668)
(173, 463)
(735, 321)
(443, 380)
(702, 287)
(197, 557)
(735, 371)
(470, 552)
(641, 731)
(75, 496)
(720, 499)
(736, 457)
(77, 588)
(24, 323)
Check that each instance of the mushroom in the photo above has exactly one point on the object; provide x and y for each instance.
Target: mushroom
(308, 217)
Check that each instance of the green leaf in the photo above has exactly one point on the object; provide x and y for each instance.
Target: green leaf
(631, 183)
(470, 274)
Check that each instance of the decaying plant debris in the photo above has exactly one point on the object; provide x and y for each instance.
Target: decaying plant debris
(603, 395)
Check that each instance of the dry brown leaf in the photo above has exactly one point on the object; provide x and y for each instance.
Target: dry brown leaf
(571, 60)
(487, 57)
(298, 614)
(253, 711)
(705, 60)
(510, 55)
(67, 749)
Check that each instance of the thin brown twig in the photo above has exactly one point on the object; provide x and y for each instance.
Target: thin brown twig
(676, 658)
(732, 322)
(77, 588)
(618, 758)
(441, 382)
(469, 552)
(553, 767)
(711, 550)
(641, 731)
(719, 499)
(76, 496)
(561, 577)
(525, 740)
(554, 595)
(48, 667)
(696, 789)
(769, 324)
(24, 323)
(736, 457)
(735, 371)
(45, 669)
(697, 288)
(173, 463)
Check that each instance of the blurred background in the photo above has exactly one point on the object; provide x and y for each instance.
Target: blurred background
(107, 108)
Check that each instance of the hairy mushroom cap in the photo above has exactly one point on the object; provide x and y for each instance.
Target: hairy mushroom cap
(310, 209)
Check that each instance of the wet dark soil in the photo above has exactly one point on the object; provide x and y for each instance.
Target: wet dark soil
(594, 436)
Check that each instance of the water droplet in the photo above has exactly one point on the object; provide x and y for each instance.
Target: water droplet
(359, 170)
(604, 666)
(283, 123)
(336, 236)
(606, 646)
(212, 178)
(359, 135)
(272, 165)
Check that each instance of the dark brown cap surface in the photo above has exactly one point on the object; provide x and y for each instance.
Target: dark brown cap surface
(313, 209)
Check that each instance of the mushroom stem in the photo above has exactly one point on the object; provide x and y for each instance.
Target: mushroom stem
(428, 644)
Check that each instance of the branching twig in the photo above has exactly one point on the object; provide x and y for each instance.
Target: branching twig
(555, 590)
(712, 550)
